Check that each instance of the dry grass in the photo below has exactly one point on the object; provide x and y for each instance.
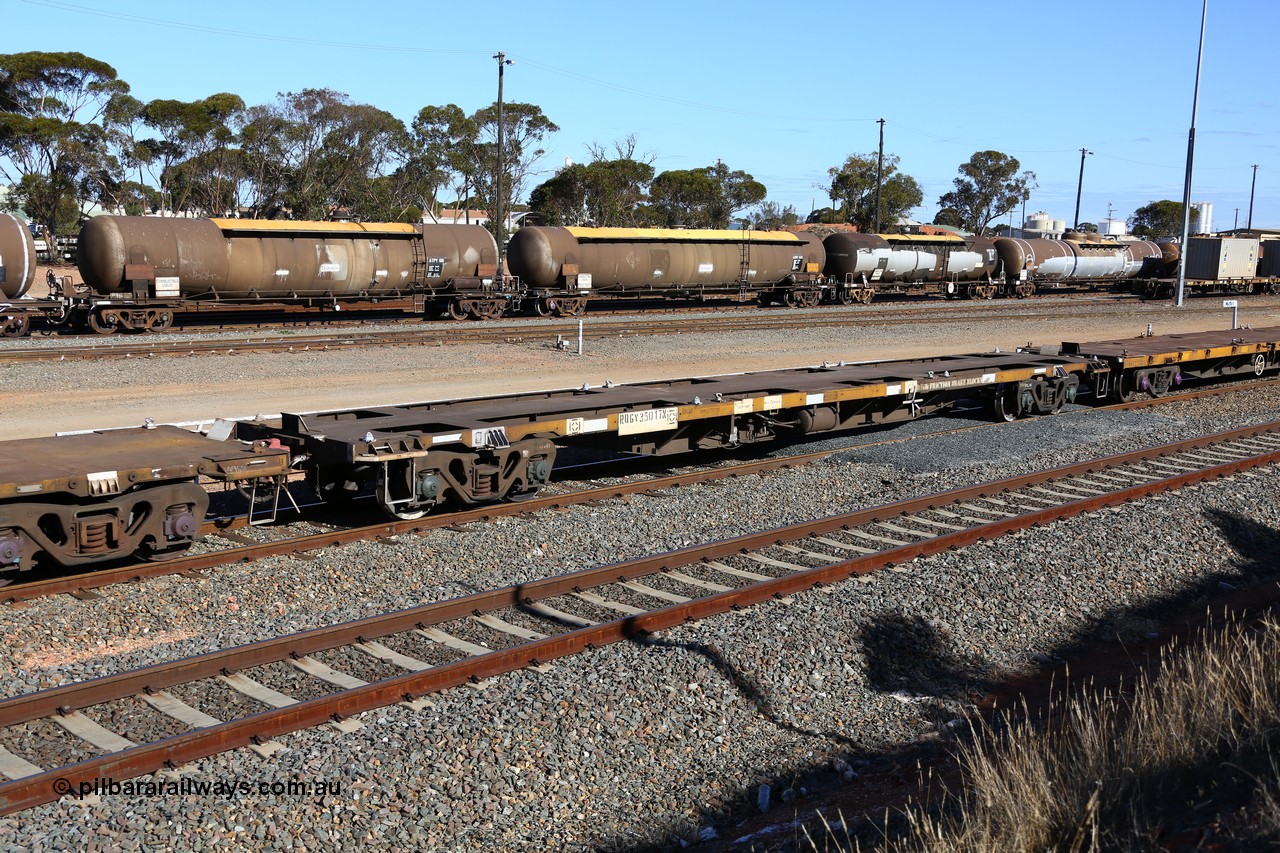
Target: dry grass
(1188, 753)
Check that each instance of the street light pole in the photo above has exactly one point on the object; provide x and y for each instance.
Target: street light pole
(1252, 187)
(1080, 187)
(503, 62)
(1191, 150)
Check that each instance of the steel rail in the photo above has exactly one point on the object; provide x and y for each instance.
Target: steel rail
(48, 785)
(508, 333)
(80, 583)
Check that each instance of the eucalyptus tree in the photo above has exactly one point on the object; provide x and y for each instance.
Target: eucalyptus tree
(52, 135)
(989, 186)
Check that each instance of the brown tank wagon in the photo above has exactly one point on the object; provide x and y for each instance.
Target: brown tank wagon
(149, 259)
(670, 262)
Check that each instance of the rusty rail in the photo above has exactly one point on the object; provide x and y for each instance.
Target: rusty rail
(437, 335)
(48, 785)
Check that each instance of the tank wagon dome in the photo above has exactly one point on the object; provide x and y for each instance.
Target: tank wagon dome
(17, 257)
(250, 258)
(633, 259)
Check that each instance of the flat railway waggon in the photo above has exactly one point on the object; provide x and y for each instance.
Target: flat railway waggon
(81, 499)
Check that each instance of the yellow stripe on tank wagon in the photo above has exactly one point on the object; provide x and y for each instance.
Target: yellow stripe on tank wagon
(645, 420)
(1195, 354)
(351, 228)
(699, 235)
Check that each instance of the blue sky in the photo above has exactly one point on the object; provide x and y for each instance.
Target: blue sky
(784, 91)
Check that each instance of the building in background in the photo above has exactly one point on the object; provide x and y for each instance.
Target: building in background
(1204, 225)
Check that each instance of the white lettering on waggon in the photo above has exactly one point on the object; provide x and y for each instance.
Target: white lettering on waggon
(648, 420)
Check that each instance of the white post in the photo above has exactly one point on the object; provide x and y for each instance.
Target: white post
(1234, 305)
(579, 337)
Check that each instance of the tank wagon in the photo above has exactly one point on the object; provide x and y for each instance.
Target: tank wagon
(143, 269)
(17, 272)
(862, 265)
(1077, 260)
(76, 500)
(780, 266)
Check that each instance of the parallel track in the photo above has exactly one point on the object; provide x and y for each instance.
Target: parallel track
(476, 333)
(680, 586)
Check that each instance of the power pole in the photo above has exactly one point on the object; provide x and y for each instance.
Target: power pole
(503, 62)
(1080, 187)
(880, 173)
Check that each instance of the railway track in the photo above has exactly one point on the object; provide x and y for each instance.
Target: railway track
(486, 634)
(242, 550)
(465, 333)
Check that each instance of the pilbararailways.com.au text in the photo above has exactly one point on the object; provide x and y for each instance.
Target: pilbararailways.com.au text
(186, 787)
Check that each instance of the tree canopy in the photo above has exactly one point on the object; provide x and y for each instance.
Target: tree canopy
(52, 111)
(1160, 219)
(853, 187)
(989, 186)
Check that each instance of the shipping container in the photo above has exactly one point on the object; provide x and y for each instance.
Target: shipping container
(1220, 258)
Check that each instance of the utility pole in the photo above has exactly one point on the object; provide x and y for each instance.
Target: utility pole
(1080, 186)
(1252, 187)
(1235, 226)
(880, 173)
(503, 62)
(1191, 150)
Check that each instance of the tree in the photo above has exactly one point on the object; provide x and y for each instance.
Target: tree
(523, 129)
(702, 198)
(1087, 228)
(443, 143)
(51, 108)
(989, 186)
(605, 192)
(194, 150)
(683, 198)
(770, 217)
(853, 186)
(1160, 219)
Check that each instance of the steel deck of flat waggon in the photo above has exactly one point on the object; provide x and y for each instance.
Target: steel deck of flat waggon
(555, 412)
(112, 460)
(1183, 347)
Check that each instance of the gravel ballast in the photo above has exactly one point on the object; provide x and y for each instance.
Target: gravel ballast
(651, 743)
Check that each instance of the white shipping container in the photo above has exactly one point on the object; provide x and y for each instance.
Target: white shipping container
(1218, 258)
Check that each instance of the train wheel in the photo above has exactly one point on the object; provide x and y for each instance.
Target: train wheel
(544, 307)
(1004, 406)
(163, 321)
(865, 295)
(102, 322)
(456, 310)
(847, 297)
(580, 308)
(498, 310)
(1124, 390)
(16, 326)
